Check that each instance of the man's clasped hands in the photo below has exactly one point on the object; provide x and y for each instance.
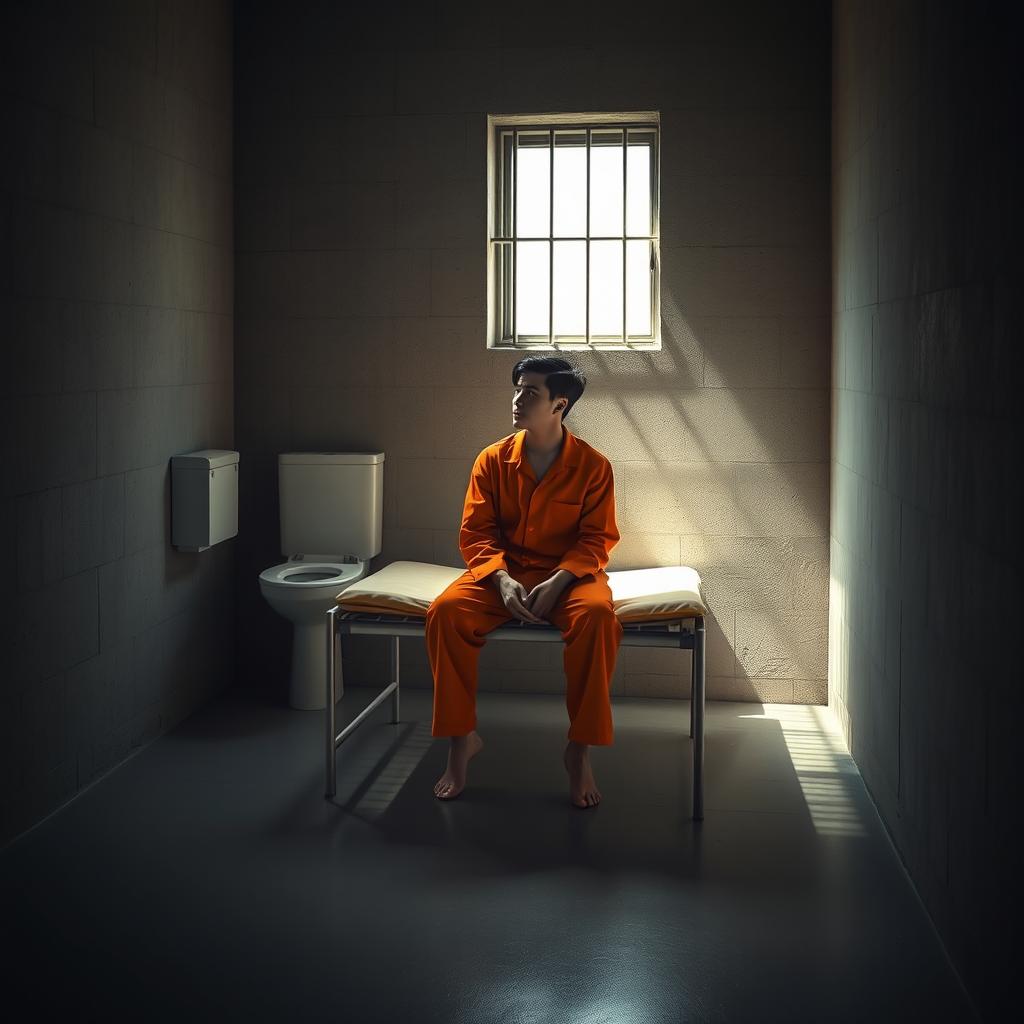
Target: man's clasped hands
(534, 605)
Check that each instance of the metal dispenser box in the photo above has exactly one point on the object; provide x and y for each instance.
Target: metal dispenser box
(204, 498)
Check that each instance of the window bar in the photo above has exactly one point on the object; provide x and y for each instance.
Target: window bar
(587, 238)
(586, 269)
(651, 226)
(625, 147)
(551, 242)
(515, 231)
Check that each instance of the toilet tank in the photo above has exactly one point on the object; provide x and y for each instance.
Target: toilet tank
(331, 503)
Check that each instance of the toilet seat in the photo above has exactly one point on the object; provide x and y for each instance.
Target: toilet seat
(317, 573)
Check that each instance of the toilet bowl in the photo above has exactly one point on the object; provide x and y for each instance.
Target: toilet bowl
(303, 590)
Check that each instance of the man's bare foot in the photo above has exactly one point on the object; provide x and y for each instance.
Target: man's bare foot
(583, 789)
(462, 749)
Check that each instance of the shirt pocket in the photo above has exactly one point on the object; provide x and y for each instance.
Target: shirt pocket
(563, 518)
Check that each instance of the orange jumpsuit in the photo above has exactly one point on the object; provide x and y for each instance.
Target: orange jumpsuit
(531, 529)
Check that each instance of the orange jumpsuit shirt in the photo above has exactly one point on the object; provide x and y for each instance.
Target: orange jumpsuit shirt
(567, 521)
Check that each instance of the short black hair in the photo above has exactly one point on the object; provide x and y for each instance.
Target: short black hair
(563, 379)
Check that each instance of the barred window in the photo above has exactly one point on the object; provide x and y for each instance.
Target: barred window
(573, 255)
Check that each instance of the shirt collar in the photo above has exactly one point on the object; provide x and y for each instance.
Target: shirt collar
(568, 456)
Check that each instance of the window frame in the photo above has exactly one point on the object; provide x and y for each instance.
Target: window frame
(501, 292)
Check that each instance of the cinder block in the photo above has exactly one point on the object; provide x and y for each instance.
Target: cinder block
(747, 209)
(128, 100)
(62, 82)
(447, 213)
(71, 255)
(741, 352)
(191, 43)
(650, 684)
(430, 492)
(209, 348)
(763, 691)
(263, 222)
(412, 288)
(772, 645)
(525, 680)
(496, 656)
(12, 753)
(446, 548)
(104, 753)
(448, 351)
(568, 83)
(149, 656)
(432, 146)
(705, 141)
(369, 275)
(342, 216)
(43, 718)
(412, 434)
(453, 80)
(49, 792)
(810, 691)
(747, 281)
(779, 500)
(763, 572)
(854, 347)
(145, 726)
(93, 523)
(457, 282)
(641, 550)
(681, 497)
(363, 82)
(39, 539)
(680, 361)
(35, 329)
(54, 441)
(141, 427)
(666, 661)
(159, 347)
(895, 248)
(406, 543)
(95, 343)
(68, 163)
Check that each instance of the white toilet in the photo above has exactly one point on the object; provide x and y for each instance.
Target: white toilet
(332, 514)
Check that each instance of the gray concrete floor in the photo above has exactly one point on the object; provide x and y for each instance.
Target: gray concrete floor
(208, 879)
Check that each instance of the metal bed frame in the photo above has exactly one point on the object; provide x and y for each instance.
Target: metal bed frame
(687, 633)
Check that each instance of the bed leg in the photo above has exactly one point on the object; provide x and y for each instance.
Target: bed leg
(330, 724)
(393, 676)
(697, 710)
(693, 680)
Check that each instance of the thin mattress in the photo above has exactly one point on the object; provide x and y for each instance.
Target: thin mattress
(638, 595)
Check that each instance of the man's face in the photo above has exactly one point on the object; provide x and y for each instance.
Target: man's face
(532, 407)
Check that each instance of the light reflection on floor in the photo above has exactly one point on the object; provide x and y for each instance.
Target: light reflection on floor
(383, 776)
(824, 768)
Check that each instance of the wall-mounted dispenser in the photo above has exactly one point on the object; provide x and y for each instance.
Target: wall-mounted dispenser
(204, 498)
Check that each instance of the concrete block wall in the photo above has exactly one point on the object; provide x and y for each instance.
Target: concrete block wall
(361, 302)
(116, 289)
(924, 540)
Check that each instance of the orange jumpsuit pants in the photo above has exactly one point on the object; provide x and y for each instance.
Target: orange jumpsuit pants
(460, 617)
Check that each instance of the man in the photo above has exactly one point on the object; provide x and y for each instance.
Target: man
(537, 531)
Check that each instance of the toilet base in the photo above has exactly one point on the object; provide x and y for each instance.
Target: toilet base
(306, 691)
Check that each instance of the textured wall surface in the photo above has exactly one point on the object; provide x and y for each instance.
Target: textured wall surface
(116, 223)
(925, 559)
(361, 305)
